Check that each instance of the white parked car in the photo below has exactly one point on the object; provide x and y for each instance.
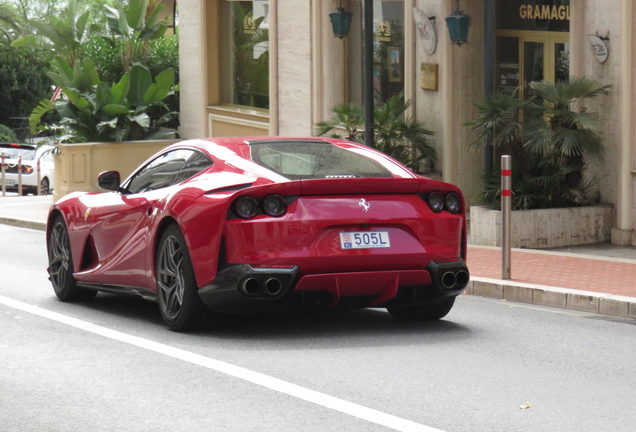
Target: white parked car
(30, 155)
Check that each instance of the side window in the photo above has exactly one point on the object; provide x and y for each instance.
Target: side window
(196, 163)
(160, 172)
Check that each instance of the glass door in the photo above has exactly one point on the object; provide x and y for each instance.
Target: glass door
(525, 57)
(534, 66)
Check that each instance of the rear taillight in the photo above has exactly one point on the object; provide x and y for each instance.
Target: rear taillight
(27, 169)
(247, 207)
(449, 202)
(274, 205)
(436, 202)
(452, 203)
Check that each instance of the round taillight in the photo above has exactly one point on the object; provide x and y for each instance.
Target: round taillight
(436, 201)
(246, 207)
(452, 203)
(274, 205)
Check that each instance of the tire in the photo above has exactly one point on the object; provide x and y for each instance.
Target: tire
(61, 265)
(429, 312)
(44, 187)
(177, 292)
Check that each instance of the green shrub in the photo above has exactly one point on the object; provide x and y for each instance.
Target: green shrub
(6, 134)
(23, 82)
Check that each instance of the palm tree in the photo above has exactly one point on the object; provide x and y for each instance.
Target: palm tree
(561, 124)
(550, 148)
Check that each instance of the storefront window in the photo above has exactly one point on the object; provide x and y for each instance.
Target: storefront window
(388, 51)
(245, 53)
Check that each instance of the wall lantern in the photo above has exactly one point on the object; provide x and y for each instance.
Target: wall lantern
(340, 20)
(458, 23)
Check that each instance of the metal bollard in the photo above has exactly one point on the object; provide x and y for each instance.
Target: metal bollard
(3, 168)
(506, 215)
(38, 178)
(20, 175)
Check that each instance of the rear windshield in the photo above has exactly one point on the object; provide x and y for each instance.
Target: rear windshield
(314, 160)
(12, 152)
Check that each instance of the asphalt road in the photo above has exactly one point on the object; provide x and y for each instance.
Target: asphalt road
(111, 365)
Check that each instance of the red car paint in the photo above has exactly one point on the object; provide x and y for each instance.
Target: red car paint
(114, 235)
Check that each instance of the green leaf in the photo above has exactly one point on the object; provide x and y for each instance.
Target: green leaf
(112, 123)
(80, 26)
(28, 41)
(155, 32)
(142, 120)
(112, 18)
(65, 72)
(114, 109)
(159, 90)
(120, 90)
(43, 107)
(136, 13)
(153, 19)
(67, 110)
(140, 81)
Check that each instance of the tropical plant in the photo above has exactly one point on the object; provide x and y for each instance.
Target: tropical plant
(131, 106)
(96, 111)
(63, 35)
(163, 53)
(551, 147)
(405, 139)
(133, 27)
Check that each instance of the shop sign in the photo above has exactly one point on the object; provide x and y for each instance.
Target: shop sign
(545, 12)
(599, 47)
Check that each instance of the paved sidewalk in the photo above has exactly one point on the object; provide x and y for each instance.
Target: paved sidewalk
(604, 284)
(594, 278)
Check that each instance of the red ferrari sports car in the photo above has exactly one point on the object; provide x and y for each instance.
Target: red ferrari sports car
(223, 226)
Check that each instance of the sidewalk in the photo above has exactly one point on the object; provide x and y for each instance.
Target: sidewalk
(597, 278)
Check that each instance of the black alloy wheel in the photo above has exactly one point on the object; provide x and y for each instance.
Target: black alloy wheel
(61, 265)
(45, 186)
(429, 312)
(181, 307)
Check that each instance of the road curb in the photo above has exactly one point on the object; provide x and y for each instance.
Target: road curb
(564, 298)
(23, 223)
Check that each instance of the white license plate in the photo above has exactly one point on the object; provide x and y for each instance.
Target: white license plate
(364, 240)
(11, 183)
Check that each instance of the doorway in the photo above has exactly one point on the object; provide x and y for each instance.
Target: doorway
(524, 57)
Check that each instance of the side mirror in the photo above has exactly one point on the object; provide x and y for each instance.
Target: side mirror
(109, 180)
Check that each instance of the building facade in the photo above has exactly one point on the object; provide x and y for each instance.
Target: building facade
(274, 67)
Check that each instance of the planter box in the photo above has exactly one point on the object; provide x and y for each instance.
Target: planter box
(545, 228)
(78, 165)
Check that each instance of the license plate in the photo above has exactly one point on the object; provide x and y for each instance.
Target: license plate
(364, 240)
(10, 182)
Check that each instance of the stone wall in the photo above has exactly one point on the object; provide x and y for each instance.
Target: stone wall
(544, 228)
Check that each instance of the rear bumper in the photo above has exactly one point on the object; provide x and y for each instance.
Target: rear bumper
(247, 289)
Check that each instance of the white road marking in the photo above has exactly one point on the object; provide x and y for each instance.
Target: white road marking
(368, 414)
